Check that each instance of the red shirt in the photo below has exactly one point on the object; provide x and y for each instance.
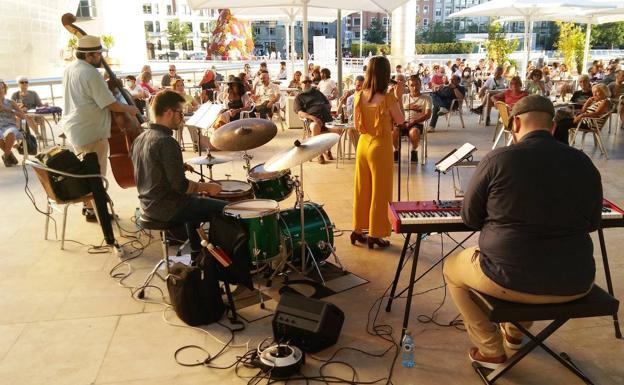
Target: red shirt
(511, 98)
(147, 87)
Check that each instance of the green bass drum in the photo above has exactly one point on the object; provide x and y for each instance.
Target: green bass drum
(319, 231)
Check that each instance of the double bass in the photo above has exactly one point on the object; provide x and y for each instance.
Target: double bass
(124, 127)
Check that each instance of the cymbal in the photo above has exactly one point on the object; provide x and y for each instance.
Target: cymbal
(210, 160)
(301, 152)
(243, 134)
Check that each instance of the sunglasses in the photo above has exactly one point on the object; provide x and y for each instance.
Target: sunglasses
(171, 70)
(24, 82)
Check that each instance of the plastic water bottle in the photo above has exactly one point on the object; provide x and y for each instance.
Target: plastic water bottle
(407, 348)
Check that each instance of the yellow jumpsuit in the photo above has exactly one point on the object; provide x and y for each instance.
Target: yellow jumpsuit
(373, 166)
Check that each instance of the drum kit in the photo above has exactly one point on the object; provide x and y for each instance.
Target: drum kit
(302, 234)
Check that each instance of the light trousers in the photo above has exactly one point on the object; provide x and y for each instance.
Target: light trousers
(463, 272)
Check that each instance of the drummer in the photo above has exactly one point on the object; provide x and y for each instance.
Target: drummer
(166, 195)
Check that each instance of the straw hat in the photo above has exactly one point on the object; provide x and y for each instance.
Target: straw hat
(89, 43)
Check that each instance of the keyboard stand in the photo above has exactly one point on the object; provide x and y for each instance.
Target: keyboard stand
(412, 281)
(605, 264)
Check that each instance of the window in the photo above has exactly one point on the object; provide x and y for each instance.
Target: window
(325, 31)
(426, 9)
(147, 8)
(385, 21)
(171, 46)
(157, 26)
(356, 34)
(271, 31)
(425, 22)
(149, 26)
(190, 26)
(256, 30)
(159, 44)
(438, 12)
(86, 9)
(156, 9)
(189, 45)
(169, 10)
(356, 21)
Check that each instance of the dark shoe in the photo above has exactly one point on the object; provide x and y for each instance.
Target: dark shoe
(487, 121)
(329, 155)
(396, 156)
(492, 363)
(358, 237)
(381, 243)
(478, 110)
(13, 159)
(414, 156)
(321, 159)
(89, 215)
(7, 161)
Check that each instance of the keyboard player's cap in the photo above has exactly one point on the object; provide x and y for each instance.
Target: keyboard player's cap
(532, 103)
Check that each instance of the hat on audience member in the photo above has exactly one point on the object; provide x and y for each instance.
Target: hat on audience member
(89, 43)
(21, 78)
(532, 103)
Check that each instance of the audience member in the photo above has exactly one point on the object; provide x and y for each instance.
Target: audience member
(265, 96)
(327, 86)
(313, 105)
(444, 97)
(417, 108)
(168, 78)
(512, 95)
(9, 112)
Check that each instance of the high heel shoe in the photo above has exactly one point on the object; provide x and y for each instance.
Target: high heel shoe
(359, 237)
(381, 243)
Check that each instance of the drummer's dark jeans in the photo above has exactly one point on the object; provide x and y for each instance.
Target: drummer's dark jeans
(198, 210)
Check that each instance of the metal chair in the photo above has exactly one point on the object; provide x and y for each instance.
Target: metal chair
(503, 113)
(594, 127)
(454, 109)
(53, 203)
(616, 108)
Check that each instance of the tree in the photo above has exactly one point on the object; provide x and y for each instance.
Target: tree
(376, 33)
(610, 35)
(177, 32)
(571, 44)
(108, 41)
(437, 33)
(498, 46)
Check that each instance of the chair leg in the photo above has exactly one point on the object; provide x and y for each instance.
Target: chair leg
(498, 137)
(64, 226)
(509, 139)
(583, 140)
(47, 221)
(448, 120)
(165, 248)
(598, 141)
(461, 118)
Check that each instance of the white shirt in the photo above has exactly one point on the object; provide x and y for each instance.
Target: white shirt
(421, 101)
(327, 86)
(495, 84)
(86, 118)
(266, 93)
(137, 92)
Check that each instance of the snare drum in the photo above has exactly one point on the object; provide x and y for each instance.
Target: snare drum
(234, 190)
(319, 231)
(259, 216)
(275, 185)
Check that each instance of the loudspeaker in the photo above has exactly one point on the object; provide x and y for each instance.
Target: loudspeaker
(310, 324)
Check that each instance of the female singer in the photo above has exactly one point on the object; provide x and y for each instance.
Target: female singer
(375, 112)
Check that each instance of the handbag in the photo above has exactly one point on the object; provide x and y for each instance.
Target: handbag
(195, 294)
(31, 142)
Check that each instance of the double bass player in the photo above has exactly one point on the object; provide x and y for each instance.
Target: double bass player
(88, 105)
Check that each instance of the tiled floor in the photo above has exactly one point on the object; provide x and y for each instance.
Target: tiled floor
(64, 321)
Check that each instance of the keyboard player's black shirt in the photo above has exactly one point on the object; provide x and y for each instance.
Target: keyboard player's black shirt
(535, 203)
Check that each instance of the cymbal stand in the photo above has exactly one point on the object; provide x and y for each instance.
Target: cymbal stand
(247, 158)
(305, 248)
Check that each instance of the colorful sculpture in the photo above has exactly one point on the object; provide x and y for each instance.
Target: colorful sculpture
(231, 38)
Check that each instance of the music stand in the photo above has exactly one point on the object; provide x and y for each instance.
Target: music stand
(453, 159)
(204, 118)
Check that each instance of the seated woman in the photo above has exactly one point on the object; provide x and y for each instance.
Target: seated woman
(245, 80)
(209, 86)
(296, 82)
(144, 82)
(595, 107)
(236, 101)
(190, 104)
(9, 133)
(535, 85)
(512, 95)
(437, 79)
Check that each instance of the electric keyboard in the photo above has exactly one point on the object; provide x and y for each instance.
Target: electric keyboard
(444, 216)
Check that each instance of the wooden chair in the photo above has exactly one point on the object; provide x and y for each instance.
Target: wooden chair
(592, 126)
(54, 202)
(503, 113)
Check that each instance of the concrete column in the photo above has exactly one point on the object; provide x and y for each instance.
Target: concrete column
(403, 39)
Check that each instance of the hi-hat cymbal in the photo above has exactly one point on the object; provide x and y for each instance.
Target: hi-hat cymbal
(243, 134)
(301, 152)
(210, 160)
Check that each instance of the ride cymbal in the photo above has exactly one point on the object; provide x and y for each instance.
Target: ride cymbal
(301, 152)
(243, 134)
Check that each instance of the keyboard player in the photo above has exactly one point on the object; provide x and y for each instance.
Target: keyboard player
(535, 203)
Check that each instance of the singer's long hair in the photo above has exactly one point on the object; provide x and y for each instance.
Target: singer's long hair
(377, 76)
